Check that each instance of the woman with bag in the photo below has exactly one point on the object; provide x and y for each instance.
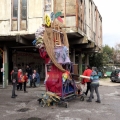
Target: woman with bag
(14, 77)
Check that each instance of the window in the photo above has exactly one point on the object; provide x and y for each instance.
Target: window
(19, 15)
(15, 8)
(24, 9)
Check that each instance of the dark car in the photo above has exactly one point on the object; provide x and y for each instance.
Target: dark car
(115, 75)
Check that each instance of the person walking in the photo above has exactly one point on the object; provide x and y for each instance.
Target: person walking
(94, 86)
(88, 73)
(14, 78)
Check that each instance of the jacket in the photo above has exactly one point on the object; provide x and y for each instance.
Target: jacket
(87, 72)
(26, 78)
(14, 76)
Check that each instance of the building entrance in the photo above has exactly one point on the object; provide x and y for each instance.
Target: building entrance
(21, 58)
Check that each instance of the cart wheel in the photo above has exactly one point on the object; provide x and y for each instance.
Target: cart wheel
(82, 98)
(42, 103)
(66, 104)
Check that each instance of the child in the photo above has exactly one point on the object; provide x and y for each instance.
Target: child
(25, 81)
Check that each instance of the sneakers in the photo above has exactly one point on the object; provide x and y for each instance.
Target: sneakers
(98, 101)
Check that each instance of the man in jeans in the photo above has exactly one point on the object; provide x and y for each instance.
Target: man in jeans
(94, 86)
(14, 78)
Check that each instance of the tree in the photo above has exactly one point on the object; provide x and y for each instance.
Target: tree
(116, 56)
(103, 58)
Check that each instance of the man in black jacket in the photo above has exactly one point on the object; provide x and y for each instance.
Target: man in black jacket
(29, 71)
(14, 81)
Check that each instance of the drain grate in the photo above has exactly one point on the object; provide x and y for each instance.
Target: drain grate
(23, 109)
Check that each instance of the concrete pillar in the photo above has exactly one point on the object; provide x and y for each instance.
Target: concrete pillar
(80, 64)
(86, 59)
(73, 56)
(5, 67)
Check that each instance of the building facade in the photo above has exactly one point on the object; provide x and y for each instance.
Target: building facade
(19, 19)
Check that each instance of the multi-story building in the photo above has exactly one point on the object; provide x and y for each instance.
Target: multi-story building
(19, 19)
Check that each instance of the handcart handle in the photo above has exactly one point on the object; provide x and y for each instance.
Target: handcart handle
(74, 75)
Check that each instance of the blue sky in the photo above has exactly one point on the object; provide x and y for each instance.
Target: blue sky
(109, 11)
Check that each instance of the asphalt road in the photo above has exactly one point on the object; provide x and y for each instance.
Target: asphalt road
(26, 107)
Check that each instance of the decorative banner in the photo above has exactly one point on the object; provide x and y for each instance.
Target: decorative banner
(47, 20)
(52, 15)
(60, 19)
(58, 14)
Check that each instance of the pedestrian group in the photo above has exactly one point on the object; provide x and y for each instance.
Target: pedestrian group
(19, 79)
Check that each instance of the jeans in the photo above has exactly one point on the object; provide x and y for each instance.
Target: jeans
(19, 86)
(88, 87)
(32, 82)
(24, 86)
(13, 90)
(94, 87)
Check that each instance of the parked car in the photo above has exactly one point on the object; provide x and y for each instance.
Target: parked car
(115, 75)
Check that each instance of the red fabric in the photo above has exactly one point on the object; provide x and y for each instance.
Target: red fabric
(19, 77)
(87, 72)
(26, 78)
(44, 55)
(54, 81)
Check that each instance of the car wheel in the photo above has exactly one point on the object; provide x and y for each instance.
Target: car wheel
(112, 80)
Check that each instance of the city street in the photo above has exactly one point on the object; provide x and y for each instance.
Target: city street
(26, 106)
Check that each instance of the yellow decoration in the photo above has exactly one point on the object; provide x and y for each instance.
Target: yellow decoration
(47, 20)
